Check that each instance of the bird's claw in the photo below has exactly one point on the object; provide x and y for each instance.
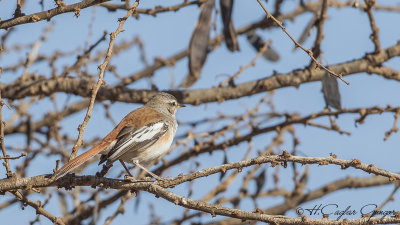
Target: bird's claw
(129, 178)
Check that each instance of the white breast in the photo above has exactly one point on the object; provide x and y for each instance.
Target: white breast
(153, 152)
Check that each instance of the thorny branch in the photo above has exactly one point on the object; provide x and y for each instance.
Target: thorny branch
(46, 87)
(158, 188)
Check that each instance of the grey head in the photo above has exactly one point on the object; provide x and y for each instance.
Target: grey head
(164, 103)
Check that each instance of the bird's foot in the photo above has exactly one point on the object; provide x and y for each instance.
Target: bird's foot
(129, 178)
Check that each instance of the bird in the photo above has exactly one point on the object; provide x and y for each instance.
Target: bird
(142, 136)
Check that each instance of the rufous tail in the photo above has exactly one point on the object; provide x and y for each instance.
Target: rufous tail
(76, 162)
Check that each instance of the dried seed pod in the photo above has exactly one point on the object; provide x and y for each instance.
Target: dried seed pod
(258, 43)
(229, 30)
(260, 181)
(198, 47)
(224, 162)
(331, 91)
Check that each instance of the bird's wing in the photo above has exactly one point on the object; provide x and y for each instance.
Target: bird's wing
(133, 139)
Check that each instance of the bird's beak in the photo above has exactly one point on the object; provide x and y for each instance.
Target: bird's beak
(180, 105)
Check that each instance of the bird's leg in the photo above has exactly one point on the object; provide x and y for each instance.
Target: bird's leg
(104, 170)
(126, 168)
(128, 177)
(148, 171)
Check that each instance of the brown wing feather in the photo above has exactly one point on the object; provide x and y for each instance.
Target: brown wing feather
(123, 146)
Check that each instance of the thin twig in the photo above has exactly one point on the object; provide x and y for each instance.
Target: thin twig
(48, 14)
(320, 32)
(375, 30)
(3, 147)
(100, 82)
(231, 79)
(308, 51)
(394, 128)
(210, 146)
(14, 157)
(38, 207)
(388, 199)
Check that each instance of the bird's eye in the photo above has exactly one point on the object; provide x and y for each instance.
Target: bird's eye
(173, 103)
